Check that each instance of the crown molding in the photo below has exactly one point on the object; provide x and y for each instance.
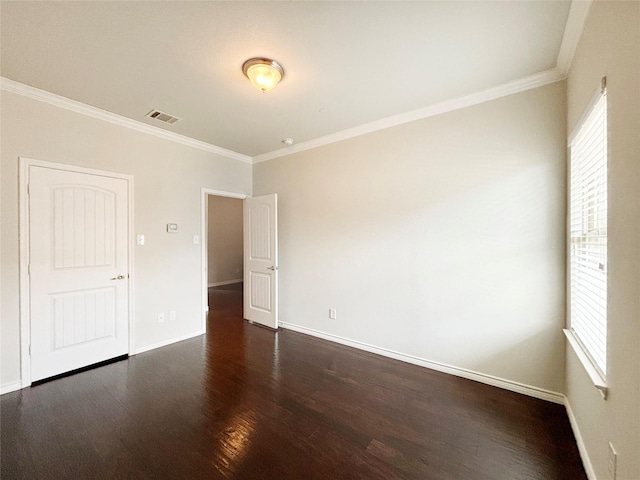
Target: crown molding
(94, 112)
(576, 19)
(523, 84)
(578, 13)
(526, 83)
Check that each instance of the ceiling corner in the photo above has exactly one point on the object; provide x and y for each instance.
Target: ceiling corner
(578, 13)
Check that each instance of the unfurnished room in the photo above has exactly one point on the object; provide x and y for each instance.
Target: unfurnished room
(304, 240)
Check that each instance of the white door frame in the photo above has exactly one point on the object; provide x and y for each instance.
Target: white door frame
(204, 209)
(24, 289)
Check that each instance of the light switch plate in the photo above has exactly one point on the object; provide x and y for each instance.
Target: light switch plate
(196, 239)
(140, 240)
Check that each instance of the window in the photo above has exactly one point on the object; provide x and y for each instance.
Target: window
(588, 233)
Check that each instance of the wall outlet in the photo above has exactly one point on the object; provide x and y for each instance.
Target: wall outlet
(613, 461)
(332, 313)
(172, 315)
(161, 317)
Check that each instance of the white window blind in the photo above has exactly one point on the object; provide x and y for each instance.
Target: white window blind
(588, 234)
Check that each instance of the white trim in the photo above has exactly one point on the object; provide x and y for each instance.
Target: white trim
(11, 387)
(90, 111)
(204, 207)
(595, 97)
(597, 380)
(582, 448)
(576, 19)
(23, 255)
(164, 343)
(520, 85)
(510, 385)
(132, 277)
(226, 282)
(23, 265)
(578, 13)
(523, 84)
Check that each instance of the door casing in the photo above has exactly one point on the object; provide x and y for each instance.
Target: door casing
(24, 289)
(204, 208)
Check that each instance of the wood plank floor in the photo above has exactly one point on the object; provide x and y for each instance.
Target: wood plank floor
(247, 403)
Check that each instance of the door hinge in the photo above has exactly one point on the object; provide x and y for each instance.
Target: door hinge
(29, 269)
(28, 189)
(29, 350)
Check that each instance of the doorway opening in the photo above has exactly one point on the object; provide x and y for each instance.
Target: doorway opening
(259, 246)
(223, 252)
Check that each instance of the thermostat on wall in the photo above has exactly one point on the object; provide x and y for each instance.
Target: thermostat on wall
(172, 227)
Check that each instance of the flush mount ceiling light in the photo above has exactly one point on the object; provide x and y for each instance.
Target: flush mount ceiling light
(263, 73)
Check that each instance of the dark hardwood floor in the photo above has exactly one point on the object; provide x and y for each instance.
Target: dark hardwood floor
(248, 403)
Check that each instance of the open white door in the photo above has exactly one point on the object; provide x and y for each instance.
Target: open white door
(79, 305)
(261, 260)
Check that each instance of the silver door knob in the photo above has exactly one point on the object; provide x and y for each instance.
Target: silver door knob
(119, 277)
(272, 267)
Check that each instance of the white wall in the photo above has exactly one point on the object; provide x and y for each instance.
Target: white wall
(167, 176)
(224, 238)
(442, 238)
(610, 45)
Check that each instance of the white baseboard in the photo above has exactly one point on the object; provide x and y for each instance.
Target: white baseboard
(441, 367)
(226, 282)
(10, 387)
(582, 448)
(168, 342)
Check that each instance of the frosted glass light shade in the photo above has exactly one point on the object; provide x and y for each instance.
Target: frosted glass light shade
(263, 73)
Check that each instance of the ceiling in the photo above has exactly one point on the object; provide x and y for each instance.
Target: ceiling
(346, 63)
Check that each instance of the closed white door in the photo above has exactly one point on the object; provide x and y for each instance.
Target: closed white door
(261, 260)
(78, 263)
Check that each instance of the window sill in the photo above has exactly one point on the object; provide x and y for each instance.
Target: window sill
(596, 378)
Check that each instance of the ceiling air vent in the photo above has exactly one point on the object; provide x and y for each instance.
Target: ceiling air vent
(163, 117)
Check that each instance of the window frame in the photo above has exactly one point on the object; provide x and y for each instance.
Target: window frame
(586, 357)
